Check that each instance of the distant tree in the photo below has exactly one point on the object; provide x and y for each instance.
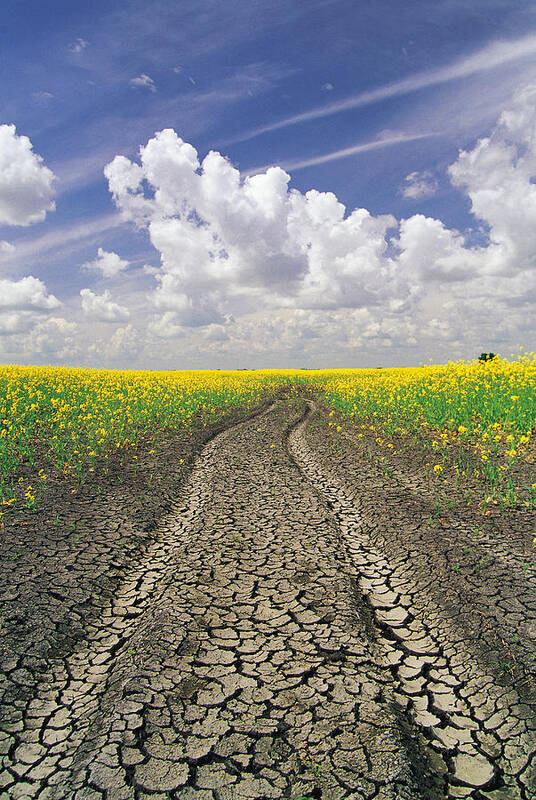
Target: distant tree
(486, 356)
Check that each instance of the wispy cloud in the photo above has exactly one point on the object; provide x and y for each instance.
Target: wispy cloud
(418, 184)
(78, 45)
(490, 57)
(84, 170)
(335, 155)
(42, 97)
(143, 81)
(62, 240)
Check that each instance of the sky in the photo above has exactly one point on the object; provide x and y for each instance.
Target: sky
(277, 183)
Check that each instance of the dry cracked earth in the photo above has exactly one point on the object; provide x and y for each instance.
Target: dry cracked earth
(289, 629)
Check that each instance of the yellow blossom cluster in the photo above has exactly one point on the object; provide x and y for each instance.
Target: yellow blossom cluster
(68, 418)
(487, 409)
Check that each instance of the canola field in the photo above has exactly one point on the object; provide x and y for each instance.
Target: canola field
(67, 422)
(474, 417)
(71, 419)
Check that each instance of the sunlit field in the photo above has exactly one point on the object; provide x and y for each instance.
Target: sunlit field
(70, 420)
(475, 418)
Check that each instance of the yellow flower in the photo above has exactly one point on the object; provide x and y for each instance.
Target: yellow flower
(438, 468)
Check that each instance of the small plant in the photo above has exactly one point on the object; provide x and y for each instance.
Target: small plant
(505, 668)
(477, 569)
(310, 763)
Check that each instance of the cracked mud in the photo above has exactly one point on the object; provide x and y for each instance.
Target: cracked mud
(282, 635)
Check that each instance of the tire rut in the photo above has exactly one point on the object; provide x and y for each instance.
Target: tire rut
(236, 661)
(232, 664)
(483, 733)
(42, 750)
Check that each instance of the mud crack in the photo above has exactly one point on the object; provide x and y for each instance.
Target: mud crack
(482, 733)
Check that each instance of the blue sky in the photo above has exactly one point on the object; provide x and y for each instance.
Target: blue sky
(420, 113)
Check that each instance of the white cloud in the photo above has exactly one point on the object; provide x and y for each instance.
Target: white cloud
(109, 264)
(327, 87)
(498, 176)
(55, 338)
(326, 279)
(13, 323)
(6, 247)
(62, 240)
(27, 294)
(78, 45)
(26, 185)
(419, 184)
(101, 308)
(166, 326)
(491, 56)
(23, 303)
(143, 81)
(124, 344)
(345, 152)
(229, 245)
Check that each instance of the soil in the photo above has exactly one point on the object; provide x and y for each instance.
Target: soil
(275, 617)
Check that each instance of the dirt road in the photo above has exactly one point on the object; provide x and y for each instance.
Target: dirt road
(287, 632)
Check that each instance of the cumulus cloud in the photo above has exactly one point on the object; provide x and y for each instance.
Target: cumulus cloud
(143, 81)
(26, 185)
(232, 245)
(498, 176)
(23, 303)
(125, 343)
(109, 264)
(6, 247)
(55, 338)
(166, 326)
(27, 294)
(419, 184)
(101, 308)
(235, 247)
(15, 323)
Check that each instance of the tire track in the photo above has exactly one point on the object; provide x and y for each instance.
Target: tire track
(44, 749)
(235, 662)
(482, 732)
(232, 664)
